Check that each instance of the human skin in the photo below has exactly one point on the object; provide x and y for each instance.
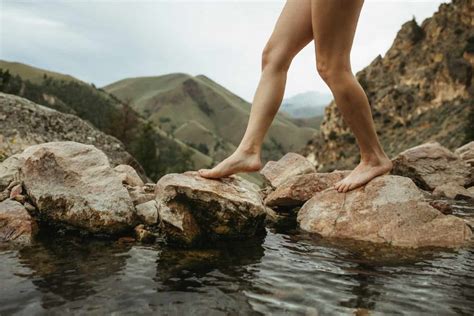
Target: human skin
(331, 25)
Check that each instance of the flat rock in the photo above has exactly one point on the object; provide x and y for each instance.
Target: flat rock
(194, 209)
(291, 164)
(73, 184)
(431, 165)
(298, 189)
(16, 224)
(389, 209)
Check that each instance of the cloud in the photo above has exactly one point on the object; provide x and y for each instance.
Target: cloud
(104, 41)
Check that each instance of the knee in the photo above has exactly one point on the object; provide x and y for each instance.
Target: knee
(331, 70)
(276, 57)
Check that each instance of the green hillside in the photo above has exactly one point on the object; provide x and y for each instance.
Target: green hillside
(157, 151)
(204, 114)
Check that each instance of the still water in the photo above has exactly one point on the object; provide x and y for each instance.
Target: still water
(285, 272)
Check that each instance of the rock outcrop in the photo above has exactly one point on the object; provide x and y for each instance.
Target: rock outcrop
(389, 209)
(73, 184)
(24, 123)
(431, 165)
(421, 90)
(193, 209)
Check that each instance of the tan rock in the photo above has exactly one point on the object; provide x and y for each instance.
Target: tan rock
(16, 225)
(16, 190)
(453, 191)
(73, 184)
(466, 152)
(298, 189)
(291, 164)
(140, 195)
(194, 209)
(389, 209)
(9, 171)
(148, 212)
(431, 165)
(129, 175)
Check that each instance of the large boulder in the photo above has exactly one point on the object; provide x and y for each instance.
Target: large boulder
(291, 164)
(24, 123)
(389, 209)
(16, 224)
(193, 209)
(73, 184)
(298, 189)
(430, 165)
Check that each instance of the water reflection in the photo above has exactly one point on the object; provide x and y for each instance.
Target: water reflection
(71, 268)
(284, 272)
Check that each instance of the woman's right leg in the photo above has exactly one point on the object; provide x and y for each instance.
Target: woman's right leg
(292, 32)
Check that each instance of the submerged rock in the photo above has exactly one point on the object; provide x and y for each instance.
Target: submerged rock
(73, 184)
(16, 224)
(431, 165)
(291, 164)
(389, 209)
(194, 209)
(298, 189)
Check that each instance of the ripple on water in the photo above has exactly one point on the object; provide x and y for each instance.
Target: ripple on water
(281, 273)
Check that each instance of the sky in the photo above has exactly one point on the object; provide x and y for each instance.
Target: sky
(104, 41)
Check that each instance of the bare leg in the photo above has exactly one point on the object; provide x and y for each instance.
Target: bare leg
(334, 24)
(292, 32)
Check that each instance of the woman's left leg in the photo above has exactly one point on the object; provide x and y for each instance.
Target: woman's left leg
(334, 23)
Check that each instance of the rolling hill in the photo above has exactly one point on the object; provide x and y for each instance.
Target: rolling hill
(203, 114)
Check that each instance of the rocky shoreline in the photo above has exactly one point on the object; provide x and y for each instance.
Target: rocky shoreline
(73, 185)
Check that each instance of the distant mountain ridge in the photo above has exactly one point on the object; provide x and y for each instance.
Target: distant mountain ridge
(307, 104)
(421, 90)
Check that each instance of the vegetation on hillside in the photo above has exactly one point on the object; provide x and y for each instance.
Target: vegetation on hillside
(157, 153)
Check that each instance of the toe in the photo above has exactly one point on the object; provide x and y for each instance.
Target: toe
(345, 188)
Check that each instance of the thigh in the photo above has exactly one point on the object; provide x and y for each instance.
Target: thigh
(334, 23)
(293, 29)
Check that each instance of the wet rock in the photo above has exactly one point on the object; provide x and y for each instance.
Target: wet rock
(442, 206)
(144, 235)
(147, 212)
(194, 209)
(452, 191)
(129, 175)
(298, 189)
(431, 165)
(73, 184)
(291, 164)
(389, 209)
(16, 224)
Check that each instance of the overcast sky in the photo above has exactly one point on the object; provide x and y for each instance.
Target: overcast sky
(104, 41)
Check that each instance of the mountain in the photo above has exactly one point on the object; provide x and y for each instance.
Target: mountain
(204, 114)
(421, 90)
(307, 104)
(157, 151)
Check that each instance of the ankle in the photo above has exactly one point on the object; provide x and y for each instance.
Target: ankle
(249, 149)
(374, 158)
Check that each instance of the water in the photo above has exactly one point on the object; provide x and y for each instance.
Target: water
(285, 272)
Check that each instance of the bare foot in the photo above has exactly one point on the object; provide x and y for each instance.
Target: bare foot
(239, 161)
(363, 173)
